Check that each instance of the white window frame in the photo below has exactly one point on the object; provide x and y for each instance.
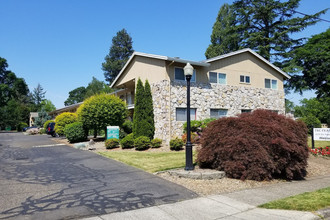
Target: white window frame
(218, 81)
(192, 117)
(218, 109)
(245, 77)
(271, 84)
(193, 77)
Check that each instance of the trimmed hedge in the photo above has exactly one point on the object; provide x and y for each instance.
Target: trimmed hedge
(111, 143)
(176, 144)
(64, 119)
(142, 143)
(259, 146)
(156, 143)
(74, 132)
(127, 142)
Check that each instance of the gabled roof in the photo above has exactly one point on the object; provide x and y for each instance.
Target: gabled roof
(205, 63)
(178, 60)
(252, 52)
(66, 108)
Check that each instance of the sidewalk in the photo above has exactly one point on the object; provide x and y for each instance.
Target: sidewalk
(229, 206)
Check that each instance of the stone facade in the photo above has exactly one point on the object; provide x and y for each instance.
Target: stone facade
(167, 96)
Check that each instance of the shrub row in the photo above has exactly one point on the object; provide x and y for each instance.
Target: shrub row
(140, 143)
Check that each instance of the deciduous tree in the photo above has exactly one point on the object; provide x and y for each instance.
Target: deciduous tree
(75, 96)
(99, 111)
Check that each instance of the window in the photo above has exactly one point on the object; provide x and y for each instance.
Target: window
(244, 79)
(219, 78)
(246, 110)
(271, 83)
(181, 114)
(179, 75)
(218, 113)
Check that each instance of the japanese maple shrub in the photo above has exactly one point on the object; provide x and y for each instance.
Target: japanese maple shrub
(261, 145)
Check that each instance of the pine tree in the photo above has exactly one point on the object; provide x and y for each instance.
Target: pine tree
(267, 26)
(38, 96)
(120, 51)
(139, 122)
(225, 37)
(149, 111)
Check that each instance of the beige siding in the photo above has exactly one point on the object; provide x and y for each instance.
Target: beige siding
(249, 65)
(144, 68)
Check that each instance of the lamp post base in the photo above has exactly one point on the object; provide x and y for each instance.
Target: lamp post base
(189, 162)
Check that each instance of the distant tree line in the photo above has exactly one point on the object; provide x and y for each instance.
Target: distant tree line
(16, 101)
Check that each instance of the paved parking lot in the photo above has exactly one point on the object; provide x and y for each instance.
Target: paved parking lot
(41, 181)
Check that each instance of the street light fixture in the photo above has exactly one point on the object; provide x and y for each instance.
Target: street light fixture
(188, 72)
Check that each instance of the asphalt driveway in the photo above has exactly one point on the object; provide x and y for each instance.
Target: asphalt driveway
(41, 181)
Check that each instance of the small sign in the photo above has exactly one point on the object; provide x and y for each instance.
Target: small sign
(321, 134)
(112, 132)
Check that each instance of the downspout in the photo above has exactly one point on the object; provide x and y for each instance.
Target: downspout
(169, 89)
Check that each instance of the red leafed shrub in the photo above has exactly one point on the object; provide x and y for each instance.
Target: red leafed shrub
(261, 145)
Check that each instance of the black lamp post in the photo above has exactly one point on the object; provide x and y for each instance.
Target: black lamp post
(188, 72)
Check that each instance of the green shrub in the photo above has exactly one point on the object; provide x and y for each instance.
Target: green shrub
(176, 144)
(127, 142)
(99, 111)
(42, 131)
(311, 121)
(206, 122)
(122, 134)
(142, 143)
(194, 126)
(156, 143)
(74, 132)
(127, 126)
(111, 143)
(47, 122)
(261, 145)
(64, 119)
(21, 125)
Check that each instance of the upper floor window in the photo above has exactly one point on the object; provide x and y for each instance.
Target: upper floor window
(179, 75)
(218, 113)
(244, 79)
(271, 83)
(181, 114)
(219, 78)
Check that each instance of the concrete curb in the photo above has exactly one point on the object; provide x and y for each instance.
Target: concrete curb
(325, 213)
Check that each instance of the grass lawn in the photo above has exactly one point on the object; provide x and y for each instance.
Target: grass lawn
(318, 143)
(310, 201)
(149, 161)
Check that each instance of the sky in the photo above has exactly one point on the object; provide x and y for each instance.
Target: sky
(61, 44)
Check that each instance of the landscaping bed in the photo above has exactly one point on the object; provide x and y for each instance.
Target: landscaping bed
(317, 166)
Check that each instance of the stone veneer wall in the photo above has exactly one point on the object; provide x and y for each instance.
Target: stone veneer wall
(204, 97)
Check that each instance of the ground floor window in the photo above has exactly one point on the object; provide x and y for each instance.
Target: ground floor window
(181, 114)
(246, 110)
(218, 113)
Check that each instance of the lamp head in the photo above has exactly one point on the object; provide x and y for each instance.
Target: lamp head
(188, 70)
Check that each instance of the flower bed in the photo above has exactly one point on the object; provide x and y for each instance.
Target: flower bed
(320, 151)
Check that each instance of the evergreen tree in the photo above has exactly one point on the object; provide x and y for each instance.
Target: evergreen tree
(38, 96)
(225, 37)
(266, 26)
(313, 59)
(149, 111)
(120, 51)
(42, 118)
(139, 122)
